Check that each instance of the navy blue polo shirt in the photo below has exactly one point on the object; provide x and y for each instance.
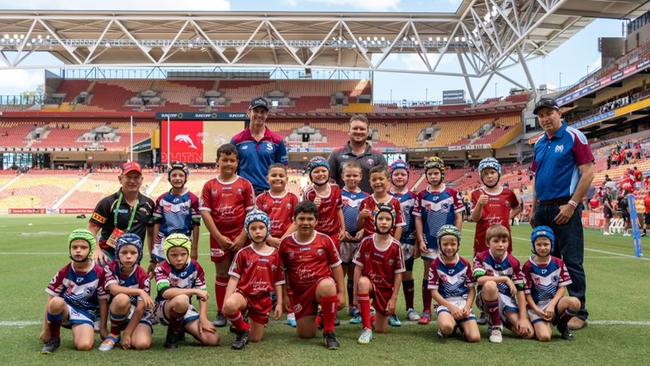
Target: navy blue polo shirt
(255, 157)
(556, 163)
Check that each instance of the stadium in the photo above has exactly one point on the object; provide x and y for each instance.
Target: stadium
(156, 87)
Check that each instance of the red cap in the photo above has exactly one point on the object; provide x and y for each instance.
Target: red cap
(131, 166)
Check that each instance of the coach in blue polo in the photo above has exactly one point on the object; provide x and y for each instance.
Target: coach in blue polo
(563, 167)
(258, 147)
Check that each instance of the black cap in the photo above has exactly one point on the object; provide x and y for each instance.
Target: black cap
(545, 103)
(259, 102)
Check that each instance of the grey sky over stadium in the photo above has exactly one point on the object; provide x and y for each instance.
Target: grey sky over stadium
(567, 63)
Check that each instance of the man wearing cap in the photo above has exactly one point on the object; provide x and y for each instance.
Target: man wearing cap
(125, 211)
(356, 149)
(563, 166)
(258, 147)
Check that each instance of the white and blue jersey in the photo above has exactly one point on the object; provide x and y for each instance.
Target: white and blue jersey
(255, 157)
(544, 280)
(175, 214)
(407, 201)
(437, 208)
(486, 265)
(451, 281)
(191, 276)
(351, 203)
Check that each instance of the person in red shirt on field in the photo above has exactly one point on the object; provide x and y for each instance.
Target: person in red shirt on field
(254, 274)
(380, 184)
(278, 203)
(493, 204)
(314, 275)
(224, 203)
(327, 197)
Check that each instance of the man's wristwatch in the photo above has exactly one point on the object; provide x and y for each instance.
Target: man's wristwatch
(573, 203)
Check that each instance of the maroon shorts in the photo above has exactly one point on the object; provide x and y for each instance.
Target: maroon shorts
(258, 307)
(303, 300)
(380, 298)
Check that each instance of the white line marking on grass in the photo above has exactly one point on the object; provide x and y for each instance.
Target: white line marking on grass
(32, 253)
(19, 324)
(595, 250)
(640, 323)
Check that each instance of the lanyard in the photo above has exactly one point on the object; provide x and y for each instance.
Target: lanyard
(117, 212)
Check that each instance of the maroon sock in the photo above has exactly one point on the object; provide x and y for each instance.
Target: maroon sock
(426, 296)
(350, 291)
(564, 319)
(364, 308)
(238, 322)
(220, 286)
(328, 308)
(409, 293)
(175, 320)
(118, 323)
(492, 309)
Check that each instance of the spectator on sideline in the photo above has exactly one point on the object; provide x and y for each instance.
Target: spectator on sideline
(356, 149)
(563, 166)
(125, 211)
(258, 147)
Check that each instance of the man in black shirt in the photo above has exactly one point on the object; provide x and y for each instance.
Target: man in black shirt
(125, 211)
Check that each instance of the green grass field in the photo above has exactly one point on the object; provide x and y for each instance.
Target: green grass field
(34, 248)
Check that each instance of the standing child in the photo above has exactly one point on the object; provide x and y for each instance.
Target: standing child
(501, 287)
(278, 203)
(378, 273)
(130, 305)
(254, 274)
(493, 204)
(76, 297)
(224, 203)
(435, 206)
(176, 211)
(352, 197)
(399, 175)
(314, 275)
(327, 197)
(379, 182)
(546, 281)
(452, 287)
(178, 279)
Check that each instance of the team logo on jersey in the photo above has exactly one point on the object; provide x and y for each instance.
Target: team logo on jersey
(80, 279)
(297, 308)
(291, 255)
(320, 252)
(391, 262)
(559, 149)
(269, 147)
(244, 147)
(186, 139)
(544, 270)
(371, 162)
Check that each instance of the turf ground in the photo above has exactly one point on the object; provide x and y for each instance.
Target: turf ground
(33, 248)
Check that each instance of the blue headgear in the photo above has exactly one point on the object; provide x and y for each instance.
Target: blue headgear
(490, 163)
(398, 164)
(315, 162)
(542, 232)
(257, 215)
(129, 239)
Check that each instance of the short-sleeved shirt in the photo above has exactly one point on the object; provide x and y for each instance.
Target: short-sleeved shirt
(306, 263)
(495, 212)
(369, 159)
(437, 208)
(380, 266)
(407, 202)
(228, 203)
(255, 157)
(137, 279)
(371, 204)
(328, 210)
(486, 265)
(351, 203)
(104, 216)
(280, 210)
(80, 290)
(258, 273)
(191, 276)
(177, 214)
(543, 280)
(451, 280)
(556, 163)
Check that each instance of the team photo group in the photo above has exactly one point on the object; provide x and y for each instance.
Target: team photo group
(348, 243)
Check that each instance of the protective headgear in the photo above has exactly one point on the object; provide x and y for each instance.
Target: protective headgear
(448, 230)
(542, 232)
(396, 165)
(129, 239)
(385, 207)
(315, 162)
(178, 166)
(489, 163)
(435, 162)
(177, 240)
(85, 235)
(257, 216)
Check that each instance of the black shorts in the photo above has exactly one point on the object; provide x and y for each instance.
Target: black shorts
(607, 213)
(646, 218)
(626, 216)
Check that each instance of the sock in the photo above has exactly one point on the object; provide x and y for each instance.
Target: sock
(364, 308)
(238, 322)
(350, 291)
(426, 296)
(409, 293)
(118, 323)
(492, 309)
(564, 319)
(175, 320)
(54, 324)
(328, 308)
(220, 285)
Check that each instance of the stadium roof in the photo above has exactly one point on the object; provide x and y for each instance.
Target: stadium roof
(483, 37)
